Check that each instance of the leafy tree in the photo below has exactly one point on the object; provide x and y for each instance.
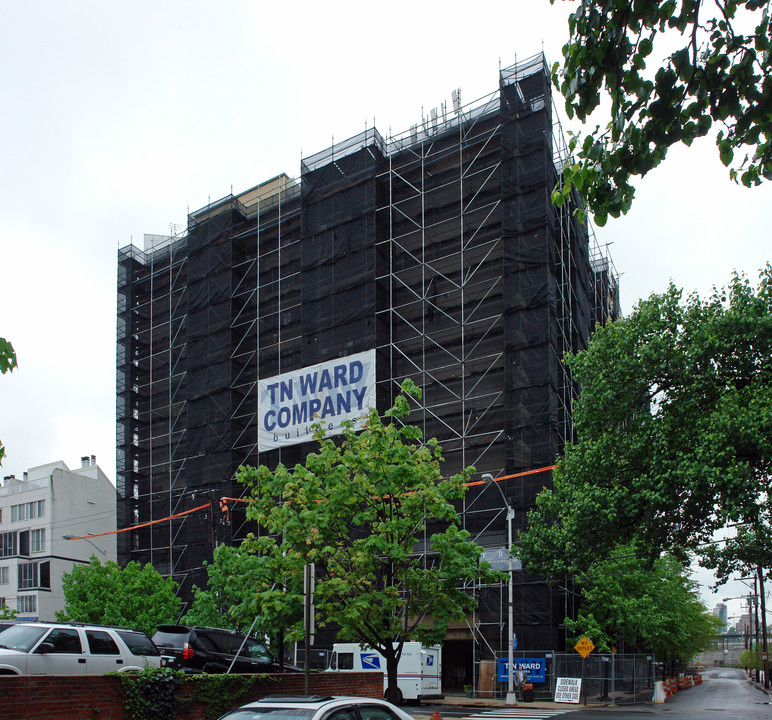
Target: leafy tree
(642, 609)
(135, 596)
(674, 431)
(246, 582)
(751, 659)
(359, 510)
(229, 600)
(718, 70)
(7, 364)
(278, 591)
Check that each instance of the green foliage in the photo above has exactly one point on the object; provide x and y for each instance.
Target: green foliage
(7, 613)
(220, 693)
(230, 599)
(135, 596)
(276, 584)
(642, 609)
(747, 553)
(359, 510)
(752, 659)
(252, 581)
(715, 72)
(7, 357)
(151, 694)
(674, 432)
(7, 364)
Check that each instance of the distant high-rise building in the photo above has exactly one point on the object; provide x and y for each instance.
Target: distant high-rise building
(435, 255)
(720, 611)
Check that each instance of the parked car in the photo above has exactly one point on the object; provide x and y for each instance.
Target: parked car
(212, 650)
(314, 707)
(41, 648)
(9, 623)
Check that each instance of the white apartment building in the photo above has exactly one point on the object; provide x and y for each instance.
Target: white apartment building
(37, 514)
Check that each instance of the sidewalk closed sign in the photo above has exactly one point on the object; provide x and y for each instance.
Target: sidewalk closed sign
(568, 690)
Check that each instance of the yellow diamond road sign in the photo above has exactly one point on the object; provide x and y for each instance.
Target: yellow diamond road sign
(584, 647)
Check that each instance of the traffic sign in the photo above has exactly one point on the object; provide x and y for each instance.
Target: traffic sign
(584, 647)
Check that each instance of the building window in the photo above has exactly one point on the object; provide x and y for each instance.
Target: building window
(37, 540)
(28, 576)
(7, 544)
(45, 575)
(24, 542)
(26, 603)
(35, 575)
(3, 575)
(28, 511)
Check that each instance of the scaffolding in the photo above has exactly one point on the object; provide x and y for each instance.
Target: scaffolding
(439, 248)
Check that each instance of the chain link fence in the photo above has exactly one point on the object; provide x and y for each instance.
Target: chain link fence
(606, 679)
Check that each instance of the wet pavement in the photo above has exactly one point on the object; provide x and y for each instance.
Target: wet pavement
(475, 704)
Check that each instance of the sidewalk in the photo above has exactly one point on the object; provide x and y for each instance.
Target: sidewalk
(759, 685)
(478, 704)
(462, 700)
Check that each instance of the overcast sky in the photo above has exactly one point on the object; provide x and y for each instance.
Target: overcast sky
(119, 118)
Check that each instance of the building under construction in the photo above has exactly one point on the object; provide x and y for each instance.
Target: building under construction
(435, 255)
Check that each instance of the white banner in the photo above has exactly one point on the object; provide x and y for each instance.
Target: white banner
(327, 394)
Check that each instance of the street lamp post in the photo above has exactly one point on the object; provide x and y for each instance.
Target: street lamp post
(70, 536)
(749, 598)
(511, 695)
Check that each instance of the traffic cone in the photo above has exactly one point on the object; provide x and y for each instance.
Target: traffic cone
(436, 715)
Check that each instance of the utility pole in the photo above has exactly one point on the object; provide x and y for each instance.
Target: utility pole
(764, 656)
(756, 613)
(309, 581)
(511, 698)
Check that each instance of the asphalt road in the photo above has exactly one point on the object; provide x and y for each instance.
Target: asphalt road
(725, 695)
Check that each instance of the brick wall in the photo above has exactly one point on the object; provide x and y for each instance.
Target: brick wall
(100, 697)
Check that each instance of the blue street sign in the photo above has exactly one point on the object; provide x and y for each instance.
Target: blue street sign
(514, 641)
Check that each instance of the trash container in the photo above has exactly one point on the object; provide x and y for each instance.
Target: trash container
(528, 692)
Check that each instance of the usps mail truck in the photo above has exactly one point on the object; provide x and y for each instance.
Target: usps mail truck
(419, 670)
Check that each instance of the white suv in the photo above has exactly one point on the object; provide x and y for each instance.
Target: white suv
(40, 648)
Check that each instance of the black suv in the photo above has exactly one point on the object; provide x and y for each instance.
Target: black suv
(211, 650)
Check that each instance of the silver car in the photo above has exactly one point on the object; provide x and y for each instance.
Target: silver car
(315, 707)
(40, 648)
